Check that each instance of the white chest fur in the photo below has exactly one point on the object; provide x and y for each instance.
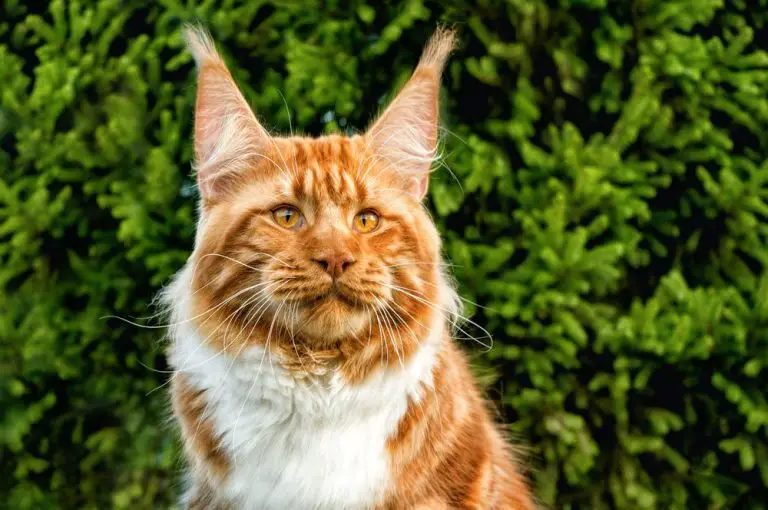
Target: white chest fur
(301, 443)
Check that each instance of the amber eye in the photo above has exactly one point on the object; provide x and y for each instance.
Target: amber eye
(288, 217)
(366, 221)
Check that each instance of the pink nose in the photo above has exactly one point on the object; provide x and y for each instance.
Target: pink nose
(334, 263)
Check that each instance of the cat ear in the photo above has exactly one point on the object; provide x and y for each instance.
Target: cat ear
(405, 135)
(226, 130)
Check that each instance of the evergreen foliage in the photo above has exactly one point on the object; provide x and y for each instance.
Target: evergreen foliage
(608, 212)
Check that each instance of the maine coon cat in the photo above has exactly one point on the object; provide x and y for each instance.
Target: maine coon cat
(313, 361)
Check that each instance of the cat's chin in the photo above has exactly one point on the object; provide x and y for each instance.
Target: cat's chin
(329, 319)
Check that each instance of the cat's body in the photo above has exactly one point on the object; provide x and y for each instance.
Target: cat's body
(304, 442)
(314, 362)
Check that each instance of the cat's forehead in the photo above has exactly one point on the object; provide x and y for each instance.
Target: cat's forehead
(327, 169)
(324, 151)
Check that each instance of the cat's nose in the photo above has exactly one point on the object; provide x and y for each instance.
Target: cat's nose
(334, 263)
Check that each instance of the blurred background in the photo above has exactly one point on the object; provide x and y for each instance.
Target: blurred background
(608, 211)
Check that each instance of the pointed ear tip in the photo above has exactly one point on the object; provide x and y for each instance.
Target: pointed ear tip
(200, 44)
(439, 47)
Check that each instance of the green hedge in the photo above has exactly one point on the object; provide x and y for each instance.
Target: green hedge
(611, 218)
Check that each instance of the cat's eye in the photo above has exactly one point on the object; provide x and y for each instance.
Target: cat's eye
(288, 216)
(366, 221)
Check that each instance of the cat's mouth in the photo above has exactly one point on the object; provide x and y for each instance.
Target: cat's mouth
(338, 294)
(336, 297)
(328, 315)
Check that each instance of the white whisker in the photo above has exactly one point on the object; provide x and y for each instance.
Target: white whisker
(453, 313)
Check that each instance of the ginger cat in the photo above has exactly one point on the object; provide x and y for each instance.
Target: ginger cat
(312, 349)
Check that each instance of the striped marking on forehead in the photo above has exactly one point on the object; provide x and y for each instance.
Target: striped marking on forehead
(326, 170)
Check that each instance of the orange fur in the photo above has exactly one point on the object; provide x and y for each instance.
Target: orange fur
(256, 283)
(448, 450)
(201, 443)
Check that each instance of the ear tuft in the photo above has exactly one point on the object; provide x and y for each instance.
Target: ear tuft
(438, 49)
(200, 45)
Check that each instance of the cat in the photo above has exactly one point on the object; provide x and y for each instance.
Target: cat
(311, 344)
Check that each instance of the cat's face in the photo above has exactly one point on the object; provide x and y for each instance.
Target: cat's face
(319, 236)
(319, 239)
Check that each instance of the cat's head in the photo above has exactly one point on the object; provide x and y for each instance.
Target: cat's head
(319, 240)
